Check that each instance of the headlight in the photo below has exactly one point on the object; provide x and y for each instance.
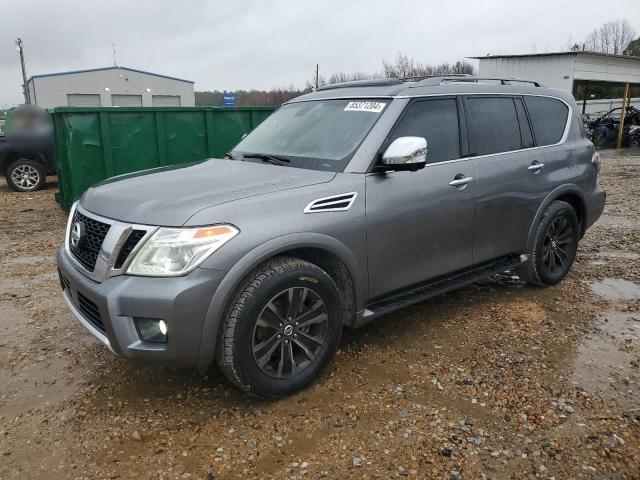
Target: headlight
(172, 252)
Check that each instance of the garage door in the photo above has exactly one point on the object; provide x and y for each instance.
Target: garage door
(165, 100)
(126, 100)
(83, 100)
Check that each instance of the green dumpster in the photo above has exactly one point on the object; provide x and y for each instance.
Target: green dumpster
(93, 144)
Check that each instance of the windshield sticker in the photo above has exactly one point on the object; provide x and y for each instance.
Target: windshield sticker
(374, 107)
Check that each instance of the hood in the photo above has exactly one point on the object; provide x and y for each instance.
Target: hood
(170, 196)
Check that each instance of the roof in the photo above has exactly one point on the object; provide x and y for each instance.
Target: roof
(70, 72)
(555, 54)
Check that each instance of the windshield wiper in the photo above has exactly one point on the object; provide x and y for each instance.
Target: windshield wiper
(266, 157)
(231, 156)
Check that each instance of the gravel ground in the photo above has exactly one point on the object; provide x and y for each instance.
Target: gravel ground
(499, 380)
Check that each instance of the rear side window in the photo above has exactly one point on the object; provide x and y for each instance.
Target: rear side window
(437, 121)
(492, 124)
(549, 119)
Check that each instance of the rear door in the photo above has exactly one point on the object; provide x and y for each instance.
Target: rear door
(511, 181)
(419, 226)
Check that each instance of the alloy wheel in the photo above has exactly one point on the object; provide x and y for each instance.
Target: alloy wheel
(558, 245)
(290, 332)
(25, 177)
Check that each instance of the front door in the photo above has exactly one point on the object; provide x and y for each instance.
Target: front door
(419, 225)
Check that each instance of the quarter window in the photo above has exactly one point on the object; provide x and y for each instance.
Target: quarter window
(437, 121)
(549, 119)
(492, 125)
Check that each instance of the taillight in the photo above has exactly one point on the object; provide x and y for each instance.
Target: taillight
(595, 160)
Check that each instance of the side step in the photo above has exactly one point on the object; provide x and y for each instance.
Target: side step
(436, 287)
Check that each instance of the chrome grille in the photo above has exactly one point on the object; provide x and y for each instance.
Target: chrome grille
(87, 252)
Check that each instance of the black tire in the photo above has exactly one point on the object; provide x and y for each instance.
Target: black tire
(554, 246)
(281, 284)
(26, 175)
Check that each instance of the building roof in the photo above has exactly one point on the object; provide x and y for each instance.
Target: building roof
(554, 54)
(114, 67)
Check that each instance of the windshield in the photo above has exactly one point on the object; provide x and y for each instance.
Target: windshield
(319, 135)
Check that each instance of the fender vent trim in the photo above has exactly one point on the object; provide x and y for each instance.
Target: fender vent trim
(334, 203)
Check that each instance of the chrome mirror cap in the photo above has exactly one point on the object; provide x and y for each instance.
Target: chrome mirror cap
(407, 151)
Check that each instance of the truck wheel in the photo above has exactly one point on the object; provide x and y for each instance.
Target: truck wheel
(281, 329)
(26, 175)
(554, 246)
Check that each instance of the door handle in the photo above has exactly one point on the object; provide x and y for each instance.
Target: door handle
(535, 167)
(458, 182)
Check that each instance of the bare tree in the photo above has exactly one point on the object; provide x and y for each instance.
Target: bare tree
(611, 37)
(404, 66)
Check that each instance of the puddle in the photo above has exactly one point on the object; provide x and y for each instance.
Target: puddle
(603, 362)
(619, 255)
(39, 378)
(616, 289)
(28, 260)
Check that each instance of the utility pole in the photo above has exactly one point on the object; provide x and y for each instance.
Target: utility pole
(317, 72)
(25, 87)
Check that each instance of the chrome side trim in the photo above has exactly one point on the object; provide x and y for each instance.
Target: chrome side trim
(111, 245)
(327, 202)
(93, 330)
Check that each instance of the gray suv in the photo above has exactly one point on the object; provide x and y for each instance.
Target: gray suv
(345, 204)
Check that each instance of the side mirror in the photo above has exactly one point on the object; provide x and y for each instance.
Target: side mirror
(405, 153)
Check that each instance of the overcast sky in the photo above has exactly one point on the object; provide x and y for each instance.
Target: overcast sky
(262, 44)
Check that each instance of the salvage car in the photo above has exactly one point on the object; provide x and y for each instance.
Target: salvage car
(26, 149)
(346, 204)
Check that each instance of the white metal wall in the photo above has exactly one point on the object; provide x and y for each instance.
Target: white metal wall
(52, 91)
(559, 71)
(551, 71)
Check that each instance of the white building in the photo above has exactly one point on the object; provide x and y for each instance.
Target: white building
(110, 86)
(566, 70)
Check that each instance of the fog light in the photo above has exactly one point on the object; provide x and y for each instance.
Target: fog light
(162, 325)
(151, 330)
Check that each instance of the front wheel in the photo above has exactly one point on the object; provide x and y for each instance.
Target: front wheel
(554, 246)
(281, 329)
(26, 175)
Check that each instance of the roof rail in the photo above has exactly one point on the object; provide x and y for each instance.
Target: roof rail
(374, 82)
(442, 79)
(425, 77)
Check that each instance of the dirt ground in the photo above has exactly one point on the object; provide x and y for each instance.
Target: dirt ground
(500, 380)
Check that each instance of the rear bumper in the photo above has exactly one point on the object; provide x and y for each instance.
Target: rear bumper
(595, 206)
(109, 309)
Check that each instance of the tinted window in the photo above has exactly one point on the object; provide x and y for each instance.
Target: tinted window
(437, 121)
(492, 125)
(525, 128)
(549, 118)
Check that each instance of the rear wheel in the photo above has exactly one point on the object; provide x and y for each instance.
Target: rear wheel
(554, 246)
(281, 329)
(26, 175)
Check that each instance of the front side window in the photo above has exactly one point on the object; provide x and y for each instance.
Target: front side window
(437, 122)
(319, 134)
(492, 124)
(549, 119)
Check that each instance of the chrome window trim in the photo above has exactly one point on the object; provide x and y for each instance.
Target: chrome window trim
(565, 134)
(112, 244)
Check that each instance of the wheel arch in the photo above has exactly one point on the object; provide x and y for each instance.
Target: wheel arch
(327, 252)
(11, 157)
(566, 193)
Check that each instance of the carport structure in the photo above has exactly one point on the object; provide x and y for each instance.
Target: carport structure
(581, 73)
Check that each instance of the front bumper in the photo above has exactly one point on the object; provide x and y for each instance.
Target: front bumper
(108, 310)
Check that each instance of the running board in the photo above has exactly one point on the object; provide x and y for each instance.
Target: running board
(439, 286)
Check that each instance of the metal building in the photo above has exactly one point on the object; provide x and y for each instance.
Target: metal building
(562, 70)
(110, 86)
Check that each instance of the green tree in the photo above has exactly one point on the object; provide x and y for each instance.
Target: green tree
(633, 49)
